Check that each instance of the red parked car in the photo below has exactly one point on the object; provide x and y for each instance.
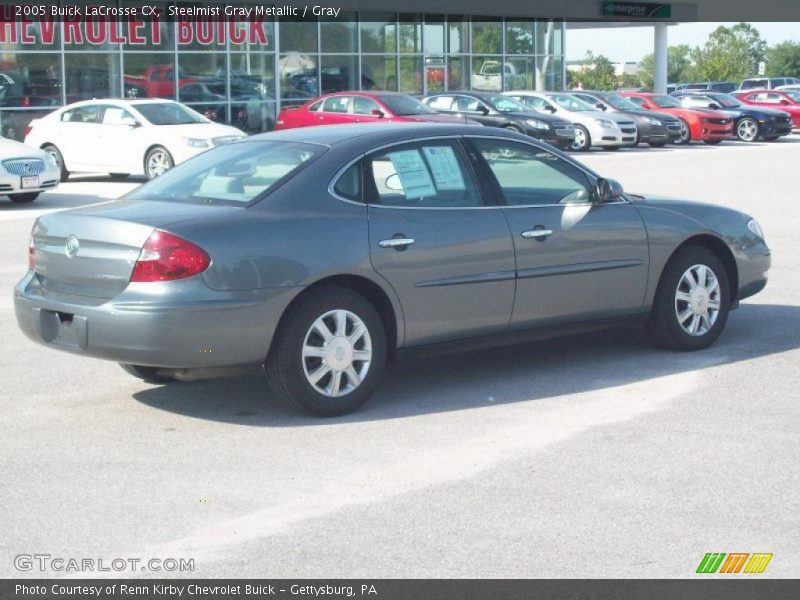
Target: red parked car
(360, 107)
(786, 100)
(697, 124)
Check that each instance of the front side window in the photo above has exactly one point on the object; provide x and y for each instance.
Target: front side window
(115, 115)
(535, 102)
(364, 106)
(432, 174)
(233, 174)
(530, 176)
(507, 104)
(467, 104)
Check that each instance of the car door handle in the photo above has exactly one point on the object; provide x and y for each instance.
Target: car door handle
(537, 233)
(398, 243)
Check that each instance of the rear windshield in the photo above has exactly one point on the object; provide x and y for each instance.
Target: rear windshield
(234, 174)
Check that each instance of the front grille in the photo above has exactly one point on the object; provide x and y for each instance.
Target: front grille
(226, 139)
(24, 166)
(628, 130)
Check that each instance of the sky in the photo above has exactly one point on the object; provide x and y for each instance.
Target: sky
(632, 43)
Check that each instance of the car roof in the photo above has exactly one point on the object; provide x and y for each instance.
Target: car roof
(128, 101)
(372, 134)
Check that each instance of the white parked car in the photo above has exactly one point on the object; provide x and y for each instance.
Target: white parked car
(592, 127)
(25, 172)
(126, 137)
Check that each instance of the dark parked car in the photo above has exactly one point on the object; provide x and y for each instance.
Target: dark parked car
(321, 253)
(654, 128)
(750, 122)
(496, 110)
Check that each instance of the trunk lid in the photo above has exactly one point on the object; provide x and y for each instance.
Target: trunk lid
(91, 251)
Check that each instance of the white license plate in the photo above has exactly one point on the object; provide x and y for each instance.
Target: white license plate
(31, 181)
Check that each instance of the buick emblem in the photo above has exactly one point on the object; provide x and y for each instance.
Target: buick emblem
(27, 167)
(72, 247)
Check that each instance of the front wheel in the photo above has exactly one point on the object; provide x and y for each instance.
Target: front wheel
(747, 130)
(582, 141)
(692, 301)
(686, 134)
(59, 160)
(329, 354)
(24, 198)
(157, 162)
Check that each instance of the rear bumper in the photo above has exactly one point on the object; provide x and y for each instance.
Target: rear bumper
(181, 324)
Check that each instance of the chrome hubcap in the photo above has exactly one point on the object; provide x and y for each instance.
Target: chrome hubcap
(698, 300)
(337, 353)
(747, 130)
(580, 140)
(158, 164)
(684, 133)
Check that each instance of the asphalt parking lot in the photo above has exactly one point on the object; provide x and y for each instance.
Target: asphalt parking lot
(592, 456)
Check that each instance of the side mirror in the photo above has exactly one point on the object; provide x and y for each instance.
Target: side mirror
(608, 189)
(600, 106)
(714, 105)
(785, 102)
(549, 108)
(377, 112)
(483, 110)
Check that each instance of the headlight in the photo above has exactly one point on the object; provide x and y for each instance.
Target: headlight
(197, 143)
(753, 226)
(654, 121)
(51, 160)
(705, 120)
(607, 123)
(536, 124)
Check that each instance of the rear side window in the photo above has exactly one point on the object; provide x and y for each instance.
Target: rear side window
(431, 174)
(232, 174)
(349, 183)
(530, 176)
(336, 104)
(83, 114)
(441, 102)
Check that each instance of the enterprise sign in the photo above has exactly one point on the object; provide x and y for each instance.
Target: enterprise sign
(642, 10)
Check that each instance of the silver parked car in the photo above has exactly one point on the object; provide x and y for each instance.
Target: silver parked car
(323, 253)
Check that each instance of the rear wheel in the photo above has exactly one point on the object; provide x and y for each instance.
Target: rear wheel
(148, 374)
(58, 158)
(748, 130)
(686, 134)
(24, 198)
(329, 354)
(582, 141)
(157, 162)
(692, 301)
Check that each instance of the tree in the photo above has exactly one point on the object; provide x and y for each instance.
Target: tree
(784, 60)
(597, 73)
(680, 67)
(730, 53)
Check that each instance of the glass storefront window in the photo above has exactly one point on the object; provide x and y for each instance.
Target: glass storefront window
(457, 34)
(487, 73)
(379, 73)
(299, 79)
(217, 112)
(549, 73)
(339, 73)
(410, 33)
(253, 116)
(298, 36)
(548, 37)
(487, 36)
(339, 36)
(149, 75)
(90, 75)
(378, 33)
(458, 73)
(519, 37)
(14, 122)
(520, 74)
(30, 80)
(434, 34)
(411, 74)
(252, 76)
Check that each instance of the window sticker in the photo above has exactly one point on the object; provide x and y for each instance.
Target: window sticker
(413, 173)
(446, 170)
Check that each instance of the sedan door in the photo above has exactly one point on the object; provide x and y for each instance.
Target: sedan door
(447, 254)
(577, 259)
(78, 136)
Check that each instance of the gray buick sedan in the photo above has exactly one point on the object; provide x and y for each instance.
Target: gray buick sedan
(323, 253)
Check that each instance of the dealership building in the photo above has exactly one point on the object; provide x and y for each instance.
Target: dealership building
(240, 62)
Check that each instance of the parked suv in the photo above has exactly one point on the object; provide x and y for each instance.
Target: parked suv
(496, 110)
(656, 129)
(725, 87)
(767, 83)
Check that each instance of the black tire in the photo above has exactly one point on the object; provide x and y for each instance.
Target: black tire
(118, 175)
(285, 366)
(24, 198)
(59, 158)
(167, 157)
(664, 324)
(657, 144)
(148, 374)
(686, 134)
(753, 132)
(577, 146)
(712, 142)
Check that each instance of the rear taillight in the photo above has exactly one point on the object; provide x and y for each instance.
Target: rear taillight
(31, 254)
(166, 257)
